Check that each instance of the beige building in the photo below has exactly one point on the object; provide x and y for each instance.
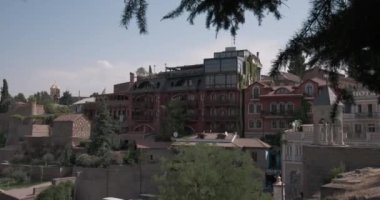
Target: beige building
(354, 126)
(362, 120)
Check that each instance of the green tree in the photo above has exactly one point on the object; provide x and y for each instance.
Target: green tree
(174, 120)
(227, 15)
(5, 100)
(339, 35)
(297, 65)
(66, 99)
(20, 98)
(42, 98)
(230, 174)
(103, 131)
(62, 191)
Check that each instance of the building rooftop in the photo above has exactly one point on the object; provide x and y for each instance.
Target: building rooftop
(227, 140)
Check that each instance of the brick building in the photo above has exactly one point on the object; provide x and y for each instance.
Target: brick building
(211, 92)
(270, 106)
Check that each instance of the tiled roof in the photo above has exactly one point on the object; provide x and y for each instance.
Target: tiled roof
(68, 117)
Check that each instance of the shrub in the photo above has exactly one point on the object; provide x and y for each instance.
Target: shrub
(48, 158)
(86, 160)
(62, 191)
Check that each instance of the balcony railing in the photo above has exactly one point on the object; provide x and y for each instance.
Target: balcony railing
(145, 118)
(288, 113)
(221, 103)
(145, 105)
(221, 118)
(367, 115)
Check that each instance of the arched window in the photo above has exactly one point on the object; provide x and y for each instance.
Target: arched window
(309, 89)
(255, 92)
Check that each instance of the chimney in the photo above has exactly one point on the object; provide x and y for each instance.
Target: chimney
(257, 54)
(131, 77)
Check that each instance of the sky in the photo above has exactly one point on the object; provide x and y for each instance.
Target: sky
(81, 46)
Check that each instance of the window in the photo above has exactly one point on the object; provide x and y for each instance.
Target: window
(282, 107)
(359, 108)
(251, 108)
(231, 80)
(251, 124)
(212, 65)
(274, 124)
(229, 65)
(281, 124)
(358, 130)
(370, 110)
(290, 107)
(282, 91)
(257, 108)
(371, 128)
(210, 81)
(220, 80)
(273, 107)
(258, 124)
(309, 89)
(256, 92)
(254, 156)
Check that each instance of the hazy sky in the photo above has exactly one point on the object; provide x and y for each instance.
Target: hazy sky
(80, 45)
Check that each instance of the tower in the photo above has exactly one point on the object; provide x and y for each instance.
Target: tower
(55, 93)
(326, 130)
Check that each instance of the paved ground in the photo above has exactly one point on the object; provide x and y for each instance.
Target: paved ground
(26, 191)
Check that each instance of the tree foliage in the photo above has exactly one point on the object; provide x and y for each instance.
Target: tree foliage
(66, 99)
(20, 98)
(101, 136)
(42, 98)
(339, 35)
(221, 14)
(5, 100)
(230, 174)
(174, 119)
(62, 191)
(297, 65)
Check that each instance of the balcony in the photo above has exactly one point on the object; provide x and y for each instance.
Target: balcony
(143, 105)
(367, 115)
(222, 103)
(275, 114)
(221, 118)
(142, 118)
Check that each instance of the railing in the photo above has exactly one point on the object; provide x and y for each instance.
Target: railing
(221, 118)
(367, 115)
(277, 113)
(221, 103)
(142, 118)
(143, 104)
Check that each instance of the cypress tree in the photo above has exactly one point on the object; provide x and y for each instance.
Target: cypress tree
(5, 99)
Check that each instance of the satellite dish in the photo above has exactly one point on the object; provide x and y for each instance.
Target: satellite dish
(175, 134)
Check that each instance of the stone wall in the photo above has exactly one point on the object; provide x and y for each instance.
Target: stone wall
(41, 173)
(319, 160)
(120, 181)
